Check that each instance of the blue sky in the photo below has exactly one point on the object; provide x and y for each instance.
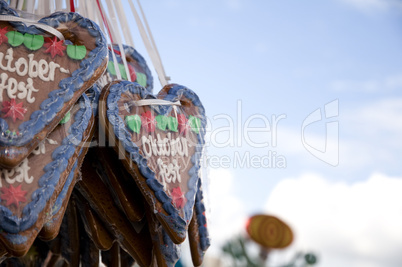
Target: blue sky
(304, 107)
(290, 58)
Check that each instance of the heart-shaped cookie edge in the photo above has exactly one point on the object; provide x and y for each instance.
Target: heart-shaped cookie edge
(44, 119)
(170, 218)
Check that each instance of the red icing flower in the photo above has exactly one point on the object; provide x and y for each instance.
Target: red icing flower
(13, 110)
(54, 47)
(183, 126)
(178, 197)
(148, 121)
(13, 195)
(3, 37)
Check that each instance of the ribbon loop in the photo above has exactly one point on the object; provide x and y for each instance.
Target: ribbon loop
(44, 27)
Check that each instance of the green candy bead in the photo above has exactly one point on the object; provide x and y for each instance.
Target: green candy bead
(173, 124)
(66, 118)
(161, 122)
(195, 124)
(141, 79)
(33, 42)
(15, 38)
(133, 123)
(77, 52)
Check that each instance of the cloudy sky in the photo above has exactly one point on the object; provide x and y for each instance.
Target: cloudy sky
(305, 109)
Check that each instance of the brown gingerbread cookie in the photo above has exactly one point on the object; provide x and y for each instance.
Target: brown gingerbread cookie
(30, 192)
(160, 140)
(45, 68)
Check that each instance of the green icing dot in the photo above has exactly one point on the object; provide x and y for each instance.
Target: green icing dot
(133, 123)
(173, 124)
(110, 68)
(33, 42)
(161, 122)
(77, 52)
(141, 79)
(66, 118)
(15, 38)
(195, 124)
(123, 72)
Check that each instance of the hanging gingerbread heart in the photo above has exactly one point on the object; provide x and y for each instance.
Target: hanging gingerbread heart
(160, 141)
(51, 227)
(45, 67)
(137, 69)
(30, 191)
(198, 233)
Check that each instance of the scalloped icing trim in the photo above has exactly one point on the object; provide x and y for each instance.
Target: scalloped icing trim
(13, 224)
(50, 106)
(173, 219)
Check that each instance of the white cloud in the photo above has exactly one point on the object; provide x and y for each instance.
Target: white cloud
(347, 225)
(227, 215)
(373, 5)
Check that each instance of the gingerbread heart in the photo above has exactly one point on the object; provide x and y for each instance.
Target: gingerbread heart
(42, 76)
(164, 163)
(52, 226)
(198, 233)
(137, 67)
(102, 201)
(30, 191)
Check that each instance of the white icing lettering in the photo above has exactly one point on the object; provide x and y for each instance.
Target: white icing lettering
(21, 62)
(164, 146)
(25, 67)
(169, 173)
(21, 171)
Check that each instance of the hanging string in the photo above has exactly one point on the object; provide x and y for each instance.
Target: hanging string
(158, 57)
(104, 20)
(151, 50)
(35, 23)
(112, 13)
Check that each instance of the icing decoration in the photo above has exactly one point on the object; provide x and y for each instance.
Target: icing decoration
(32, 41)
(161, 122)
(15, 38)
(148, 121)
(178, 197)
(3, 35)
(57, 98)
(66, 118)
(173, 124)
(133, 123)
(141, 78)
(165, 160)
(137, 67)
(54, 47)
(183, 126)
(13, 110)
(195, 124)
(16, 228)
(77, 52)
(13, 195)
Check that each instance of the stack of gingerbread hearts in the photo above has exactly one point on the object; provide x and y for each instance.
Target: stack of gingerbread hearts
(91, 161)
(45, 119)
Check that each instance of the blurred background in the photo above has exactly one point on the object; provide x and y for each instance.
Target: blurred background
(305, 119)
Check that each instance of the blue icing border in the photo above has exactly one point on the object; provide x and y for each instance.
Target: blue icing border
(201, 219)
(13, 224)
(175, 93)
(50, 106)
(131, 52)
